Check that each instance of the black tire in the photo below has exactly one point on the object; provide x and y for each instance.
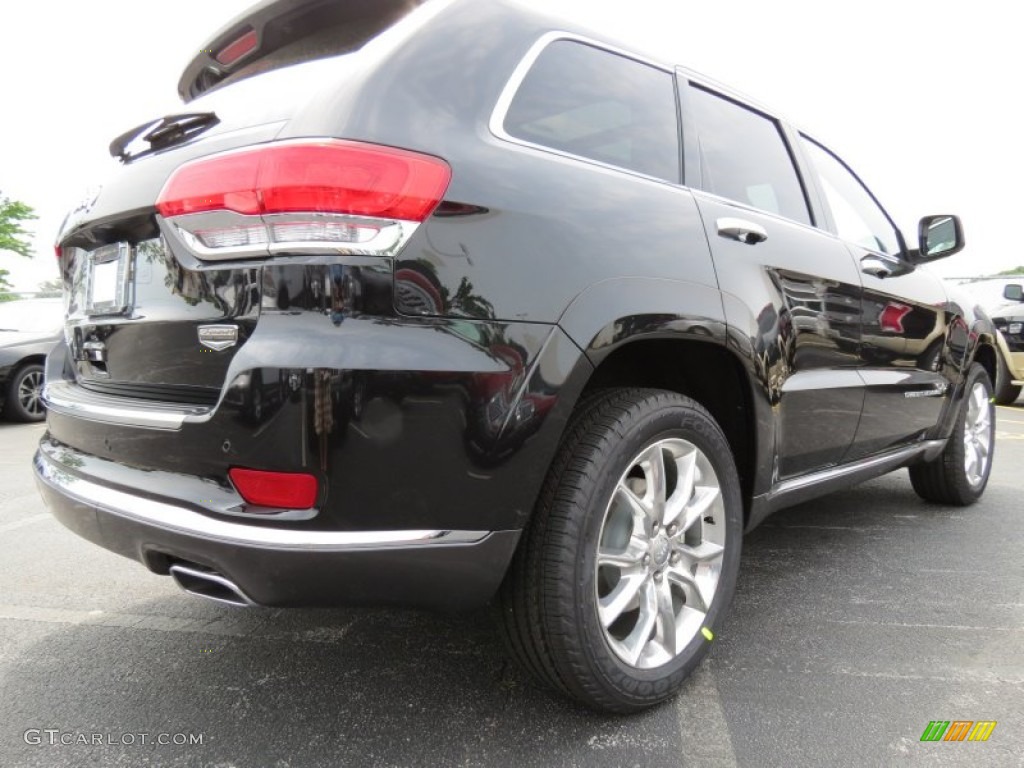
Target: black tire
(945, 479)
(548, 603)
(1008, 394)
(24, 392)
(1006, 391)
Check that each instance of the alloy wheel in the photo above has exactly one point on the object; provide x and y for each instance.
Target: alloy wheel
(30, 393)
(977, 434)
(660, 553)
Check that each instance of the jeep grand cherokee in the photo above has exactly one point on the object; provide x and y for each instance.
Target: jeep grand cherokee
(465, 303)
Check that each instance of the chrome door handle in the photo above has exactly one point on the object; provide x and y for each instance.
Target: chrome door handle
(875, 266)
(95, 351)
(744, 231)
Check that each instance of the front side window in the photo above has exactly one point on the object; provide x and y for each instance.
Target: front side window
(599, 105)
(744, 157)
(858, 218)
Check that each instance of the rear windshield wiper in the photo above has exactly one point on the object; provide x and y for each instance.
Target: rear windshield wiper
(162, 133)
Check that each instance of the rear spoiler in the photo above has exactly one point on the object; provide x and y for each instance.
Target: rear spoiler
(270, 25)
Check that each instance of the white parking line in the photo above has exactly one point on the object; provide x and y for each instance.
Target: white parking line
(47, 615)
(913, 625)
(231, 623)
(23, 522)
(217, 626)
(703, 729)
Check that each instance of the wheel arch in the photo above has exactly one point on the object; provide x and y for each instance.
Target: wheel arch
(977, 344)
(986, 355)
(703, 371)
(671, 335)
(37, 358)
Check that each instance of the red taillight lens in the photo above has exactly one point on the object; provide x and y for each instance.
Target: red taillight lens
(350, 178)
(340, 177)
(226, 183)
(285, 490)
(237, 48)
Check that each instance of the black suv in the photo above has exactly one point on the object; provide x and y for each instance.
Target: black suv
(463, 304)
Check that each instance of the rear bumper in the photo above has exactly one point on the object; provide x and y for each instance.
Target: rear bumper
(274, 566)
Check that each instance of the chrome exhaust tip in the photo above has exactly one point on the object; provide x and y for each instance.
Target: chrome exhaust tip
(210, 585)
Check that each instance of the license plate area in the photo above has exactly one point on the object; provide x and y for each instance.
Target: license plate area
(109, 269)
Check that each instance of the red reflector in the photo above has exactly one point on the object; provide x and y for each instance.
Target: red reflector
(59, 251)
(288, 490)
(341, 177)
(233, 51)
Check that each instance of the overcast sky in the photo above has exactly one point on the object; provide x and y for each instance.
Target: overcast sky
(920, 98)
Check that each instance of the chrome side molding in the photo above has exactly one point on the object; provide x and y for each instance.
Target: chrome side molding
(811, 486)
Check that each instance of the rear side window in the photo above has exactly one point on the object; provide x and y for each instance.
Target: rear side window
(744, 157)
(599, 105)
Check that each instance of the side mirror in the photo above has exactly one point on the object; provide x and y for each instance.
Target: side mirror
(938, 237)
(1014, 292)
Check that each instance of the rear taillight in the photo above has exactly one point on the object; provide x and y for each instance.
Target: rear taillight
(282, 490)
(330, 195)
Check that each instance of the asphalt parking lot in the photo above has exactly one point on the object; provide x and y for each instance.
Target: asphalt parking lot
(858, 619)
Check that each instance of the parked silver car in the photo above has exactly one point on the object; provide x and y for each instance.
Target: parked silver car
(29, 329)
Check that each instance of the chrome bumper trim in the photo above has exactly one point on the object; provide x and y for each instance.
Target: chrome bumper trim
(66, 398)
(183, 520)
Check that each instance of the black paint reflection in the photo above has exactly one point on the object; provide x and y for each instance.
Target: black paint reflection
(479, 396)
(153, 349)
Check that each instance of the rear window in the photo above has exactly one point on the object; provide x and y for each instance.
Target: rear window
(601, 106)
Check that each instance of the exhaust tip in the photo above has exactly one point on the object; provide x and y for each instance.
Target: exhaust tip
(210, 585)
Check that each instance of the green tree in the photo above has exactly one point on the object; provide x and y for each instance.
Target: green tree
(1014, 271)
(14, 237)
(5, 287)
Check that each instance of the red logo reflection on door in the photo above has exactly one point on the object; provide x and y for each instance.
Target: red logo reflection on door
(891, 318)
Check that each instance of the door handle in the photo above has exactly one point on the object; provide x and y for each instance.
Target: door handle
(744, 231)
(95, 351)
(875, 266)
